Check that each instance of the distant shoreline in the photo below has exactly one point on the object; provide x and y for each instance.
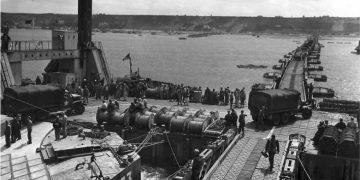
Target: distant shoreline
(324, 25)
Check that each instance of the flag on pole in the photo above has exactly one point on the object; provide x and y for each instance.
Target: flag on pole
(127, 57)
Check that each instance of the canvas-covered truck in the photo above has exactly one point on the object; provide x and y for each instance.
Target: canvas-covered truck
(279, 104)
(40, 100)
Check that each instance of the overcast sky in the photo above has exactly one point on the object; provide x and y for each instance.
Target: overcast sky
(288, 8)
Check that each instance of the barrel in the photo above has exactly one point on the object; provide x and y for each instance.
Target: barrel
(196, 127)
(199, 112)
(114, 117)
(179, 124)
(347, 143)
(144, 121)
(329, 141)
(165, 118)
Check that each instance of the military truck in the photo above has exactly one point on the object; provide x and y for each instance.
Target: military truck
(279, 104)
(40, 100)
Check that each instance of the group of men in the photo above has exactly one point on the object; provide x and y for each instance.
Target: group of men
(340, 126)
(236, 98)
(13, 130)
(181, 94)
(231, 119)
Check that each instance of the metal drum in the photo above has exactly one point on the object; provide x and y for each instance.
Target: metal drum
(329, 140)
(199, 112)
(164, 118)
(196, 127)
(114, 117)
(144, 121)
(347, 143)
(179, 124)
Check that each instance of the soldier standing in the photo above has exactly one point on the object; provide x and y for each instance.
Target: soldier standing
(64, 124)
(231, 100)
(242, 123)
(311, 88)
(242, 97)
(29, 129)
(57, 127)
(260, 118)
(272, 148)
(86, 94)
(7, 134)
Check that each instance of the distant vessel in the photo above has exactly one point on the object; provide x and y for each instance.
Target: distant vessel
(198, 35)
(321, 92)
(251, 66)
(182, 38)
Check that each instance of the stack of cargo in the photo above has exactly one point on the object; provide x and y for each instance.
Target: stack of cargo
(342, 106)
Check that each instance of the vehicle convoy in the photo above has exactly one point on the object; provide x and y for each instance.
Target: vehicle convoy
(280, 105)
(39, 100)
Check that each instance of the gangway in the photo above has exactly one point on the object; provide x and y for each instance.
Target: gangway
(7, 78)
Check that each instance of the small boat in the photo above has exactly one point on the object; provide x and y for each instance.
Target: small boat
(277, 67)
(321, 92)
(251, 66)
(314, 61)
(271, 75)
(315, 68)
(318, 77)
(182, 38)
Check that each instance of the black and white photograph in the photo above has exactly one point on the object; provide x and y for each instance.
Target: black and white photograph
(180, 90)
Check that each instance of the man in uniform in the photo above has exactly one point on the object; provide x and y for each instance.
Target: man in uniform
(242, 123)
(57, 127)
(234, 117)
(63, 124)
(311, 88)
(29, 129)
(5, 39)
(351, 124)
(7, 134)
(260, 118)
(340, 126)
(228, 119)
(272, 148)
(196, 165)
(242, 97)
(231, 100)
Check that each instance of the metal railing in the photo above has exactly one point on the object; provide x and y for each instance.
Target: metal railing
(29, 45)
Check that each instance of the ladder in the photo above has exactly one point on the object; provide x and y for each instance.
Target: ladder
(7, 78)
(104, 63)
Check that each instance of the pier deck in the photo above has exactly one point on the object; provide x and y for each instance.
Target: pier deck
(293, 78)
(242, 162)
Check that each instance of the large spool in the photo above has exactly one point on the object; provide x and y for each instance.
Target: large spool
(114, 117)
(347, 143)
(329, 140)
(196, 127)
(164, 118)
(179, 124)
(144, 121)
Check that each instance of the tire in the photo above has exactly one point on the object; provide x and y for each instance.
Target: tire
(79, 109)
(254, 117)
(306, 113)
(285, 117)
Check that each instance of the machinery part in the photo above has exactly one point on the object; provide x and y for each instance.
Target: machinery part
(285, 118)
(306, 113)
(144, 121)
(179, 124)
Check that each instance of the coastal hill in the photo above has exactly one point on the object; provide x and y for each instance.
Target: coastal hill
(216, 24)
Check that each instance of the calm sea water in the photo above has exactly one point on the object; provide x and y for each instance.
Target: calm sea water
(211, 61)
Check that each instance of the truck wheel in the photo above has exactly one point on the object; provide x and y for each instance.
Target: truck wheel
(306, 113)
(79, 109)
(254, 117)
(285, 118)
